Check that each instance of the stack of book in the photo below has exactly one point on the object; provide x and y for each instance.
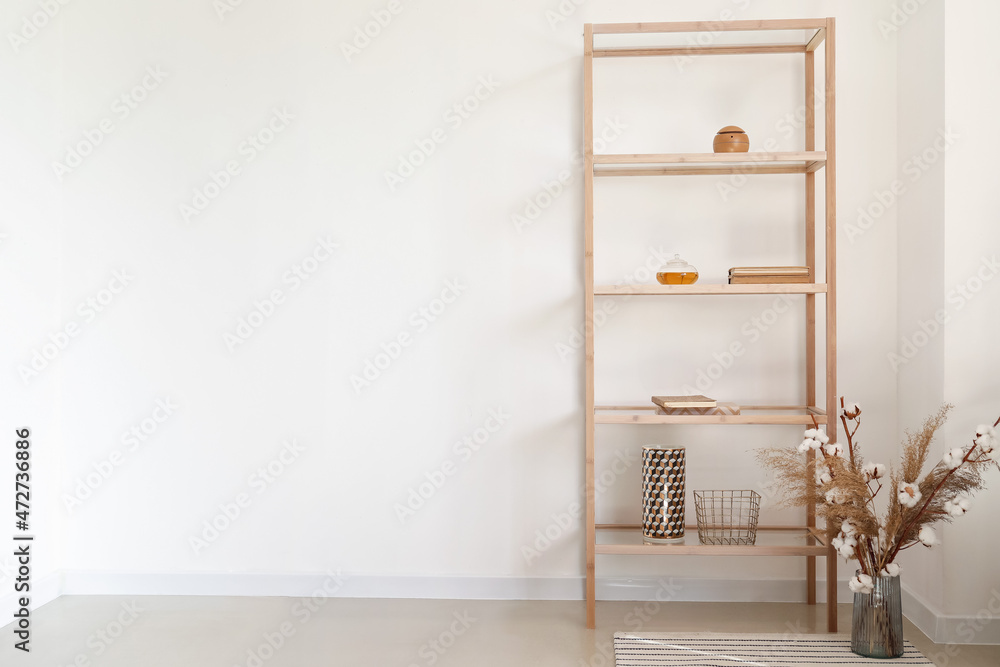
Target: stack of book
(693, 405)
(747, 275)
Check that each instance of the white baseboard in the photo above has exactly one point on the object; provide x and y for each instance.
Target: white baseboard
(43, 591)
(713, 590)
(931, 621)
(329, 584)
(981, 628)
(476, 588)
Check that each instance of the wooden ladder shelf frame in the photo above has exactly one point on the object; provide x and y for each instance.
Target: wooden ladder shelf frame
(820, 32)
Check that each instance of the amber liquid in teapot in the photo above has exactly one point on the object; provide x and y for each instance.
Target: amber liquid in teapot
(677, 277)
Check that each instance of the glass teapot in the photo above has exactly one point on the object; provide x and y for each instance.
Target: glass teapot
(677, 272)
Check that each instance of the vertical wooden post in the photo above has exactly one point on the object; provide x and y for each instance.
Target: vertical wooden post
(831, 282)
(831, 589)
(588, 286)
(810, 222)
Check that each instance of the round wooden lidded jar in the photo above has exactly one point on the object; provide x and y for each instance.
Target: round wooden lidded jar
(731, 139)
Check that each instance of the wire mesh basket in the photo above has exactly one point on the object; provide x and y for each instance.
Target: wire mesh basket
(727, 517)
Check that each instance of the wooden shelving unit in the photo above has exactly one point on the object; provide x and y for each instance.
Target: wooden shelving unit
(807, 540)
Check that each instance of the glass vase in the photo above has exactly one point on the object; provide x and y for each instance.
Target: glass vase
(877, 625)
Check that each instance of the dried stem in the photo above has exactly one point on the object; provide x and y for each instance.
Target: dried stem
(848, 433)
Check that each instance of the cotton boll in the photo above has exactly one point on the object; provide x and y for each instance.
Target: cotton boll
(848, 528)
(873, 470)
(862, 583)
(953, 459)
(844, 545)
(986, 438)
(821, 437)
(891, 570)
(909, 495)
(986, 442)
(811, 434)
(836, 449)
(835, 497)
(823, 475)
(807, 444)
(958, 506)
(927, 536)
(851, 411)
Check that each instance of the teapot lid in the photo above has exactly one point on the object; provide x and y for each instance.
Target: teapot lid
(731, 129)
(678, 265)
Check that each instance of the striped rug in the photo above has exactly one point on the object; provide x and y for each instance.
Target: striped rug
(654, 649)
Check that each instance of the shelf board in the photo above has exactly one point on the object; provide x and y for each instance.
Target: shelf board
(749, 414)
(696, 50)
(709, 26)
(709, 289)
(692, 164)
(771, 541)
(813, 35)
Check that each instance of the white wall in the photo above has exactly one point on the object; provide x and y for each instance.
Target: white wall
(972, 241)
(921, 244)
(494, 348)
(31, 307)
(947, 265)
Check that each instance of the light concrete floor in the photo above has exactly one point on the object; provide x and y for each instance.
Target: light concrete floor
(230, 632)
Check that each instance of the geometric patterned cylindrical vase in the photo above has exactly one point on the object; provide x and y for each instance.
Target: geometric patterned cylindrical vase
(663, 489)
